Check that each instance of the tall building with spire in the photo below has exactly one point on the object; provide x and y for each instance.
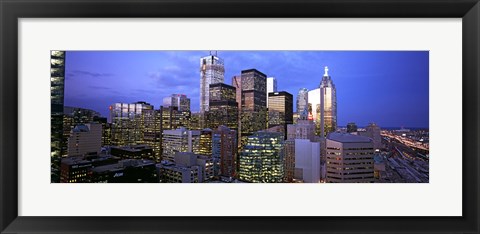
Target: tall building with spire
(212, 71)
(328, 105)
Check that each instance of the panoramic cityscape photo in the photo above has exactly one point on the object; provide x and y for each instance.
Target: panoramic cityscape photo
(239, 116)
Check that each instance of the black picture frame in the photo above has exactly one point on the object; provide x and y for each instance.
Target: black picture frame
(11, 11)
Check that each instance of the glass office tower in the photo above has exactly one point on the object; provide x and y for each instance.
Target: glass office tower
(254, 101)
(328, 105)
(212, 71)
(302, 103)
(57, 86)
(261, 160)
(223, 107)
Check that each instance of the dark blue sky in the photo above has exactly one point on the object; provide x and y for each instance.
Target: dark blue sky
(387, 87)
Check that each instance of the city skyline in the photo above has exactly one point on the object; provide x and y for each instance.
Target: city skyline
(389, 88)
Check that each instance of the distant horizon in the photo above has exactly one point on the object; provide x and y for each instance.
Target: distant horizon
(389, 88)
(338, 126)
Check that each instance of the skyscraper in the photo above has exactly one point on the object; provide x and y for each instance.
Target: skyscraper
(179, 140)
(223, 107)
(289, 160)
(302, 103)
(254, 101)
(152, 134)
(349, 158)
(172, 118)
(301, 155)
(224, 151)
(280, 109)
(237, 83)
(205, 142)
(271, 86)
(212, 71)
(314, 107)
(373, 131)
(261, 160)
(307, 161)
(328, 105)
(178, 100)
(57, 86)
(128, 122)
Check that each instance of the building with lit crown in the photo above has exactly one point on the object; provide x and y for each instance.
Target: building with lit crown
(212, 71)
(328, 105)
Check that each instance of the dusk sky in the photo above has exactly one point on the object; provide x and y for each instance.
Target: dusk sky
(389, 88)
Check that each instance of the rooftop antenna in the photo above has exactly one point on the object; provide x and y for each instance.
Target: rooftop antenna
(326, 71)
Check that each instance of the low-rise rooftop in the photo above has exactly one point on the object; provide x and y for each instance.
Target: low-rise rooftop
(348, 138)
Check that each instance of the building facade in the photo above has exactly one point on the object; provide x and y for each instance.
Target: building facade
(152, 134)
(181, 101)
(302, 103)
(328, 105)
(289, 162)
(314, 107)
(57, 87)
(223, 107)
(349, 158)
(280, 109)
(224, 151)
(261, 160)
(85, 139)
(307, 161)
(212, 71)
(254, 102)
(187, 168)
(128, 122)
(271, 86)
(373, 131)
(303, 129)
(179, 140)
(205, 142)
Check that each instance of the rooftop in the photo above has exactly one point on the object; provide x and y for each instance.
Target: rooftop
(123, 164)
(348, 138)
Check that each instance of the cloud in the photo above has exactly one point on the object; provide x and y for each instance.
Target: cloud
(91, 74)
(99, 87)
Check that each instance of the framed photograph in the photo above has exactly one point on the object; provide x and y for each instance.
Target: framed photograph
(226, 116)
